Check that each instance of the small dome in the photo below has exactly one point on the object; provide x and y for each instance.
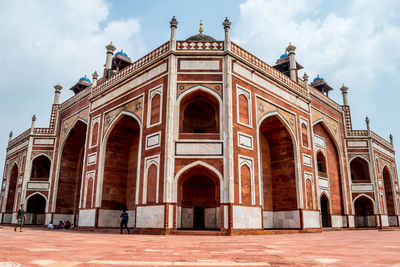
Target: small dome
(122, 53)
(84, 79)
(284, 55)
(200, 37)
(318, 79)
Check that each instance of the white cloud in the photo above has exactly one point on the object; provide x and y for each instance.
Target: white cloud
(356, 44)
(45, 42)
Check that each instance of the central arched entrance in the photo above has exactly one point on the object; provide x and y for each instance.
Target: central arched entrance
(35, 209)
(278, 174)
(198, 199)
(325, 215)
(70, 176)
(120, 171)
(364, 210)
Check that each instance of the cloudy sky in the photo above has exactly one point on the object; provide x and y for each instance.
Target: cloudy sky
(44, 42)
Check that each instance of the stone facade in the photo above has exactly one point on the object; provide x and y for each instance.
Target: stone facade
(200, 134)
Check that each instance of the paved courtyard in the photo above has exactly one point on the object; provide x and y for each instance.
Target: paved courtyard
(36, 247)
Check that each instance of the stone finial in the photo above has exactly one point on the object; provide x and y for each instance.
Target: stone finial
(391, 138)
(95, 75)
(173, 22)
(57, 92)
(367, 122)
(110, 47)
(305, 77)
(94, 78)
(58, 88)
(291, 48)
(34, 117)
(10, 136)
(344, 88)
(201, 27)
(226, 23)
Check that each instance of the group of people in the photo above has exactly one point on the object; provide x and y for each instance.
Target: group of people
(66, 225)
(21, 217)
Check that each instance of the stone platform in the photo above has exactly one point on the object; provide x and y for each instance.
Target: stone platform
(38, 247)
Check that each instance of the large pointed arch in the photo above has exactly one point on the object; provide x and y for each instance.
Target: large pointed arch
(198, 197)
(214, 104)
(12, 188)
(36, 206)
(360, 170)
(364, 207)
(271, 196)
(336, 208)
(387, 177)
(70, 172)
(103, 144)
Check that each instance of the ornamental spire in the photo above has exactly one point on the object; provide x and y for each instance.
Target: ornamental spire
(201, 27)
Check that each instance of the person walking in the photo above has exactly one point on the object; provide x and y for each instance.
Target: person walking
(21, 216)
(124, 220)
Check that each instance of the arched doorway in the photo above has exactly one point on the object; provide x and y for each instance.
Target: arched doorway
(199, 116)
(12, 187)
(359, 171)
(325, 215)
(390, 205)
(364, 209)
(40, 168)
(70, 175)
(330, 168)
(120, 167)
(278, 172)
(35, 209)
(198, 199)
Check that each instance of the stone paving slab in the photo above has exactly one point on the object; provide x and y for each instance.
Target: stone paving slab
(34, 247)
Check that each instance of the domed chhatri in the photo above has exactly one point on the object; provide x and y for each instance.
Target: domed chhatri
(201, 36)
(85, 79)
(284, 55)
(121, 53)
(318, 78)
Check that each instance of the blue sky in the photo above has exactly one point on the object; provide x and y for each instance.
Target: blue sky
(45, 42)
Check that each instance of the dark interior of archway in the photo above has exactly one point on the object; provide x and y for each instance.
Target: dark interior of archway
(200, 114)
(388, 192)
(36, 205)
(277, 154)
(198, 189)
(359, 170)
(363, 207)
(332, 169)
(119, 182)
(325, 218)
(69, 183)
(12, 188)
(40, 169)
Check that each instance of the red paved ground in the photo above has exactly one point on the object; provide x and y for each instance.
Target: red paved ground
(70, 248)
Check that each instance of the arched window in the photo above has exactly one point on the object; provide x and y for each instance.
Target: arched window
(309, 194)
(244, 110)
(304, 134)
(95, 133)
(151, 184)
(199, 116)
(359, 170)
(321, 164)
(89, 193)
(155, 109)
(245, 176)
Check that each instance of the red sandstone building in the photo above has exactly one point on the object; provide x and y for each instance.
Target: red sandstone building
(201, 134)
